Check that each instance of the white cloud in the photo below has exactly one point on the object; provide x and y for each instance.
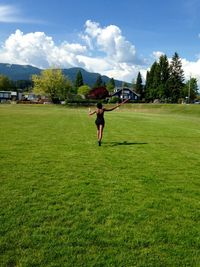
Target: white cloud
(191, 69)
(111, 53)
(8, 13)
(157, 54)
(126, 72)
(39, 50)
(12, 14)
(95, 64)
(92, 28)
(110, 41)
(105, 50)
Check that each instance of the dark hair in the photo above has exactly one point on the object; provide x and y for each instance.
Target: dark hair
(99, 105)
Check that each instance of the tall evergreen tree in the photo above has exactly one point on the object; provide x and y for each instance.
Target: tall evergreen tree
(164, 76)
(139, 85)
(156, 86)
(153, 82)
(79, 79)
(175, 83)
(99, 82)
(147, 87)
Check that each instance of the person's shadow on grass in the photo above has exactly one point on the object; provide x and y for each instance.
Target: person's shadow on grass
(124, 143)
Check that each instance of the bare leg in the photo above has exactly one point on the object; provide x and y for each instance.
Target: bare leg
(100, 134)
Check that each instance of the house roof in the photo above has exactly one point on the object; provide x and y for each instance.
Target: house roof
(119, 89)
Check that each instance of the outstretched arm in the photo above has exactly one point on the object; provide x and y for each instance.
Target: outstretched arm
(91, 112)
(110, 109)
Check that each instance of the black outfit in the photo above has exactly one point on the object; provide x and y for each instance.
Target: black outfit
(100, 120)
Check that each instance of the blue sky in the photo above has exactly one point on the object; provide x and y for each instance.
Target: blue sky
(114, 38)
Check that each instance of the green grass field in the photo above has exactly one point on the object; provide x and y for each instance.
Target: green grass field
(134, 201)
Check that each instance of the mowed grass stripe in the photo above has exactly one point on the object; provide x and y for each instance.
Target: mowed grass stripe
(67, 202)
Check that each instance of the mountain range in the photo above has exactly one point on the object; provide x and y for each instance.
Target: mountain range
(24, 72)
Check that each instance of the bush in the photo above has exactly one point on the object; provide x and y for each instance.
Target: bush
(114, 99)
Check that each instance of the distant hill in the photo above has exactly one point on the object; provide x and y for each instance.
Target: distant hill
(18, 72)
(24, 72)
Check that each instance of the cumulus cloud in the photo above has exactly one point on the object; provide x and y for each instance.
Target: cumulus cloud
(110, 53)
(39, 50)
(191, 69)
(103, 49)
(110, 41)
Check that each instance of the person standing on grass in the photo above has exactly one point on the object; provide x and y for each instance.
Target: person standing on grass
(100, 122)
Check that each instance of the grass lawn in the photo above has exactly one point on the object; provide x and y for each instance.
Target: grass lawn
(134, 201)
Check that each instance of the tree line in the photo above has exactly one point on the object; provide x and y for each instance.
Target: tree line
(8, 85)
(165, 82)
(56, 86)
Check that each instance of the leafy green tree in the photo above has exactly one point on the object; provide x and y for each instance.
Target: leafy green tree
(51, 83)
(25, 85)
(5, 83)
(176, 80)
(139, 85)
(84, 90)
(125, 84)
(79, 79)
(190, 89)
(110, 85)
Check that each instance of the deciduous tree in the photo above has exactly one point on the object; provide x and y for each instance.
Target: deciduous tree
(190, 89)
(51, 83)
(99, 93)
(84, 90)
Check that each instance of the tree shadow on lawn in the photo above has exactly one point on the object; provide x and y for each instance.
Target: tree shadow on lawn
(123, 143)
